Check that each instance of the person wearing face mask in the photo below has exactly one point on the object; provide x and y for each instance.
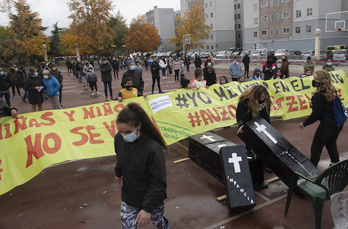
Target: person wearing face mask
(309, 64)
(163, 65)
(140, 169)
(92, 79)
(269, 68)
(34, 86)
(235, 69)
(209, 73)
(198, 81)
(223, 80)
(105, 69)
(176, 68)
(155, 69)
(241, 79)
(51, 86)
(5, 85)
(328, 66)
(128, 91)
(135, 75)
(285, 67)
(15, 83)
(257, 75)
(58, 75)
(322, 110)
(246, 62)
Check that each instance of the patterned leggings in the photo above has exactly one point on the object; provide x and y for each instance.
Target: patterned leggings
(129, 214)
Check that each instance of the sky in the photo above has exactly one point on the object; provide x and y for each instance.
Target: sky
(51, 11)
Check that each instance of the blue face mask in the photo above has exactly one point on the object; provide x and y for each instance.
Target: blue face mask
(131, 137)
(329, 63)
(2, 73)
(104, 62)
(132, 67)
(36, 74)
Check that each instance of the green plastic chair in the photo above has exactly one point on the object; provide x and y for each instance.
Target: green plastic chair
(319, 188)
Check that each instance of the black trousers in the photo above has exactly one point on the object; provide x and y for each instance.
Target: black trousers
(325, 135)
(14, 91)
(176, 74)
(154, 82)
(246, 70)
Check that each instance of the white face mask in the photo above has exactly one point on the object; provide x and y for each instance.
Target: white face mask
(45, 76)
(132, 136)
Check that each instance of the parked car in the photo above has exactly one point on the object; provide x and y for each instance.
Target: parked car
(204, 55)
(220, 55)
(340, 55)
(259, 54)
(323, 55)
(282, 52)
(295, 54)
(307, 53)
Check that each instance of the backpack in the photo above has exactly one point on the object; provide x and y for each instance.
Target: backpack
(339, 112)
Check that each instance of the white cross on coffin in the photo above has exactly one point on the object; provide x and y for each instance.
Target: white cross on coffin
(262, 128)
(235, 160)
(210, 138)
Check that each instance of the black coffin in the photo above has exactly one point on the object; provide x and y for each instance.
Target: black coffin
(240, 191)
(275, 151)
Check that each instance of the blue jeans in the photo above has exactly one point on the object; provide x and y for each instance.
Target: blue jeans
(25, 95)
(80, 77)
(163, 72)
(106, 85)
(7, 97)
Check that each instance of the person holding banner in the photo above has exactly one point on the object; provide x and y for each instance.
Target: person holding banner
(322, 109)
(140, 169)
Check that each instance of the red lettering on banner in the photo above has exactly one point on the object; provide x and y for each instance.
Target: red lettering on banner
(279, 102)
(107, 109)
(307, 97)
(111, 129)
(339, 94)
(216, 118)
(20, 125)
(84, 137)
(88, 113)
(224, 114)
(92, 136)
(290, 104)
(1, 137)
(8, 132)
(206, 117)
(1, 170)
(45, 116)
(33, 122)
(99, 112)
(70, 115)
(273, 103)
(57, 143)
(33, 150)
(302, 102)
(118, 108)
(230, 109)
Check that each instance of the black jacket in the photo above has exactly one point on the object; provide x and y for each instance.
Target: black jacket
(58, 75)
(142, 167)
(155, 68)
(243, 114)
(34, 96)
(105, 70)
(210, 77)
(320, 105)
(5, 83)
(137, 79)
(246, 60)
(198, 62)
(5, 110)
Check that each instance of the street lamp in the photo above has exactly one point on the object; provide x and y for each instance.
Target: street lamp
(317, 44)
(77, 52)
(45, 52)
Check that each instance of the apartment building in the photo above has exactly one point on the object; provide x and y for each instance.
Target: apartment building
(238, 23)
(164, 20)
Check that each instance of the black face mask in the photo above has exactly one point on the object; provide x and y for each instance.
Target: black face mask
(260, 102)
(129, 87)
(283, 60)
(309, 58)
(315, 83)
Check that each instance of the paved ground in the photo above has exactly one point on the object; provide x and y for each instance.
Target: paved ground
(82, 194)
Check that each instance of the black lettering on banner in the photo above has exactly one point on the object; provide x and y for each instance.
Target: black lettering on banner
(207, 101)
(221, 94)
(230, 92)
(276, 86)
(193, 98)
(295, 85)
(182, 101)
(337, 78)
(285, 86)
(265, 84)
(304, 87)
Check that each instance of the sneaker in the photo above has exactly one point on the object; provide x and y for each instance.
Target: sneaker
(20, 96)
(13, 97)
(160, 92)
(92, 94)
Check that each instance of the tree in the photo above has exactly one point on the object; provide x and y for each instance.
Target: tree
(141, 37)
(89, 28)
(55, 40)
(118, 24)
(8, 48)
(193, 23)
(27, 30)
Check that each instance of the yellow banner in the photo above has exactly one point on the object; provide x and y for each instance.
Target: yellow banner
(34, 141)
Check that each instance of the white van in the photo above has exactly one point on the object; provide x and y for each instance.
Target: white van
(259, 54)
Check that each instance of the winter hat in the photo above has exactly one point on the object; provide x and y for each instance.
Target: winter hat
(46, 72)
(184, 82)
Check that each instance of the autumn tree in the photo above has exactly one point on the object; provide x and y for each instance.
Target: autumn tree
(8, 49)
(27, 30)
(118, 24)
(141, 37)
(193, 23)
(55, 40)
(89, 28)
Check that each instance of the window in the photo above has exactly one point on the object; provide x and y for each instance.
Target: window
(207, 47)
(298, 29)
(255, 34)
(277, 17)
(271, 18)
(283, 1)
(264, 33)
(286, 30)
(239, 26)
(264, 4)
(298, 13)
(255, 6)
(235, 16)
(211, 14)
(309, 12)
(211, 36)
(238, 6)
(277, 2)
(256, 21)
(235, 7)
(286, 14)
(211, 25)
(271, 32)
(238, 36)
(211, 3)
(212, 47)
(277, 32)
(271, 3)
(238, 16)
(264, 18)
(308, 28)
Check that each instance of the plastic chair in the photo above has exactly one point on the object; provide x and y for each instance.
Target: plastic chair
(319, 188)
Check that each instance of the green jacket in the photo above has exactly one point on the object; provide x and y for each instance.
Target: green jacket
(329, 68)
(309, 64)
